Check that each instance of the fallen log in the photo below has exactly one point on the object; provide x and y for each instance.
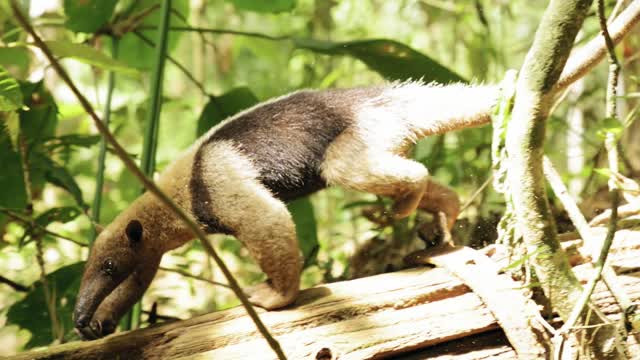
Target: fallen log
(412, 314)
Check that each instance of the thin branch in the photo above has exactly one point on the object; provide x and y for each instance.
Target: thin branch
(476, 193)
(589, 55)
(610, 142)
(192, 276)
(102, 152)
(584, 230)
(175, 62)
(27, 222)
(56, 329)
(148, 183)
(13, 284)
(222, 31)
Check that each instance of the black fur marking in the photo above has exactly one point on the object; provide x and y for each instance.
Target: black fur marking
(287, 139)
(201, 200)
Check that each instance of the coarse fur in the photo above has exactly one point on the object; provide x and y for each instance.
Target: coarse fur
(237, 178)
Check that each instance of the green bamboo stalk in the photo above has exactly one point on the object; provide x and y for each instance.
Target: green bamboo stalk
(97, 198)
(151, 128)
(150, 143)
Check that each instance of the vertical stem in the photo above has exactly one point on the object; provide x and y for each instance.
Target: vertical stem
(56, 329)
(102, 154)
(150, 144)
(151, 130)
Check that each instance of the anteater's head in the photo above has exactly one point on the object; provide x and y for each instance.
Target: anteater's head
(121, 265)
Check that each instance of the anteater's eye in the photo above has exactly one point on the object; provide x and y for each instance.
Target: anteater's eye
(109, 267)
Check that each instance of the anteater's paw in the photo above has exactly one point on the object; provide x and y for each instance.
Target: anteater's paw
(266, 296)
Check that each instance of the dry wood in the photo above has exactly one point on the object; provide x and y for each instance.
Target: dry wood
(417, 314)
(506, 299)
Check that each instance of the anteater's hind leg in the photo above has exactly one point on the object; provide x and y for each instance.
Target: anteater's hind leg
(438, 197)
(355, 165)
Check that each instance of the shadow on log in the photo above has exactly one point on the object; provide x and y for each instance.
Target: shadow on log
(412, 314)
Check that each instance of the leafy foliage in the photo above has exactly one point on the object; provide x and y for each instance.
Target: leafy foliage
(221, 107)
(136, 52)
(78, 18)
(88, 55)
(393, 60)
(10, 95)
(265, 6)
(31, 312)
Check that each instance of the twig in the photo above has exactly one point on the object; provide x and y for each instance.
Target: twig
(26, 221)
(610, 141)
(584, 230)
(56, 330)
(192, 276)
(222, 31)
(476, 193)
(13, 284)
(175, 62)
(587, 56)
(148, 183)
(102, 154)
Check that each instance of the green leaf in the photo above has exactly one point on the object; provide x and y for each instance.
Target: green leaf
(393, 60)
(88, 55)
(306, 228)
(31, 313)
(62, 214)
(137, 53)
(223, 106)
(15, 59)
(610, 125)
(70, 140)
(273, 6)
(10, 95)
(40, 119)
(13, 194)
(88, 15)
(60, 176)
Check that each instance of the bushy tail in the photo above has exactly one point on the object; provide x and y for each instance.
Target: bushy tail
(431, 109)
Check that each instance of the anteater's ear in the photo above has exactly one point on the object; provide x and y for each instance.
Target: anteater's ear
(134, 232)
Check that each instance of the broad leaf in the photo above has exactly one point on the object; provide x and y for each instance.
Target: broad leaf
(40, 119)
(223, 106)
(393, 60)
(88, 15)
(306, 228)
(59, 176)
(15, 59)
(31, 313)
(62, 214)
(10, 94)
(88, 55)
(273, 6)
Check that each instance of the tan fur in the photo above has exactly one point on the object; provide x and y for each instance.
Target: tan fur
(371, 155)
(261, 222)
(377, 127)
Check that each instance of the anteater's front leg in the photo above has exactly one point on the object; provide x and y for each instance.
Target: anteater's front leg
(271, 241)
